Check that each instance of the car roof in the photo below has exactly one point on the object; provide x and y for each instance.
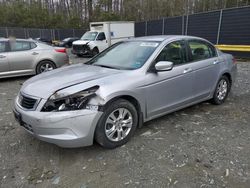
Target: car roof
(161, 38)
(3, 39)
(7, 39)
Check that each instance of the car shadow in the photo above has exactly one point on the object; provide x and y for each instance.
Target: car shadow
(15, 79)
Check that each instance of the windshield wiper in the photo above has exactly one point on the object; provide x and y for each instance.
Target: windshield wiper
(106, 66)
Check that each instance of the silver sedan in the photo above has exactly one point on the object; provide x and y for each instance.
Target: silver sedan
(128, 84)
(19, 57)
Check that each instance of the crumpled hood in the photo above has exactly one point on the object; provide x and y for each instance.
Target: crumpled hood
(46, 84)
(80, 42)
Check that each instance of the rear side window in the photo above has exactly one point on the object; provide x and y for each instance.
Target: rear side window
(19, 46)
(33, 45)
(2, 47)
(201, 50)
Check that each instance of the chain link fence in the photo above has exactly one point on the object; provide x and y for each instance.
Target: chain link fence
(52, 34)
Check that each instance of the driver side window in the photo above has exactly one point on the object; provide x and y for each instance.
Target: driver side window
(101, 36)
(174, 52)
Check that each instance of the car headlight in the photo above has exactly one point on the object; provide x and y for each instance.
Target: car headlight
(59, 102)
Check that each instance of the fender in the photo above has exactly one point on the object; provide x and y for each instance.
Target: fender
(139, 100)
(92, 45)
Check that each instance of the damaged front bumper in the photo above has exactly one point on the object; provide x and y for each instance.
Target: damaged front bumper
(81, 50)
(65, 129)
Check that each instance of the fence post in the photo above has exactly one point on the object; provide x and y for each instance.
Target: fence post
(73, 32)
(187, 19)
(28, 33)
(25, 36)
(58, 32)
(7, 32)
(183, 25)
(146, 28)
(219, 27)
(163, 26)
(51, 34)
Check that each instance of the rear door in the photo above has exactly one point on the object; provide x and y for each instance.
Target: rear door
(4, 64)
(22, 56)
(206, 66)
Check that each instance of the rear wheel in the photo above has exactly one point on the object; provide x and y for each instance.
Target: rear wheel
(45, 66)
(117, 124)
(222, 90)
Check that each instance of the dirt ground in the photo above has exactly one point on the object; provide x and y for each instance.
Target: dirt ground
(200, 146)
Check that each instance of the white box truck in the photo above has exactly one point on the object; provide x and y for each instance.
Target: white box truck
(101, 36)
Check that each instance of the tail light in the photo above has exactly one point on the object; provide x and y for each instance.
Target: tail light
(61, 50)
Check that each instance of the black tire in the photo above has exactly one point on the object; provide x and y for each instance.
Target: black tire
(101, 128)
(217, 99)
(95, 51)
(78, 55)
(42, 64)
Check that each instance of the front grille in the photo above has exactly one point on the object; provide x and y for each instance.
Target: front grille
(27, 102)
(79, 47)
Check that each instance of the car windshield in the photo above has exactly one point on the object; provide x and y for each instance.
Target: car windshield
(66, 40)
(89, 36)
(127, 55)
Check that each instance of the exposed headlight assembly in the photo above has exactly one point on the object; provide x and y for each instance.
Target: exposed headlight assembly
(76, 101)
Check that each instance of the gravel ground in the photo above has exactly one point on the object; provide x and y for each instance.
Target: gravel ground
(200, 146)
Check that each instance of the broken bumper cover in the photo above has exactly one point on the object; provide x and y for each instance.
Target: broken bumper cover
(81, 50)
(66, 129)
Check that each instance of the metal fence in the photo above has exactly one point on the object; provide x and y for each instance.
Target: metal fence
(228, 26)
(53, 34)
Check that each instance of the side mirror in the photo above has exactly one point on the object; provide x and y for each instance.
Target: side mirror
(164, 66)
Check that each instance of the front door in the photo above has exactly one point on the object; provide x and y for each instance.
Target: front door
(169, 90)
(101, 41)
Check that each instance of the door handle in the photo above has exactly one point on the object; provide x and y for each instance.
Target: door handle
(215, 62)
(2, 56)
(187, 70)
(34, 53)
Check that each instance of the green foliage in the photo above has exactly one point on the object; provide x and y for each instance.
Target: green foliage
(78, 13)
(19, 14)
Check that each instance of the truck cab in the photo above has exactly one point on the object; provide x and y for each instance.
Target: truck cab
(91, 43)
(101, 36)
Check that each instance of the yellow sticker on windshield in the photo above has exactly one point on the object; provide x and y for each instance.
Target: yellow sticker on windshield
(149, 44)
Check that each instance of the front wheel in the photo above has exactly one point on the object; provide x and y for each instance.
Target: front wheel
(117, 124)
(95, 51)
(222, 90)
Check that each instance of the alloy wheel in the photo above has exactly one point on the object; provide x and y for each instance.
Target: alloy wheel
(118, 124)
(46, 67)
(222, 89)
